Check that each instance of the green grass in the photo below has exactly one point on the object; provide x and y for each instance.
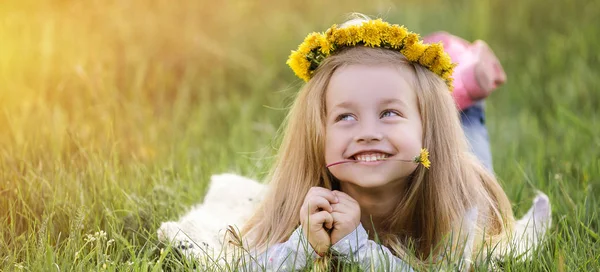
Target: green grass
(114, 114)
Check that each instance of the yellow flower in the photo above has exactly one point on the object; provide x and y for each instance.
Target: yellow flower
(326, 47)
(447, 74)
(430, 54)
(313, 40)
(394, 35)
(450, 85)
(371, 35)
(354, 35)
(441, 64)
(413, 52)
(411, 39)
(304, 48)
(300, 65)
(318, 40)
(341, 37)
(380, 24)
(336, 36)
(329, 33)
(423, 158)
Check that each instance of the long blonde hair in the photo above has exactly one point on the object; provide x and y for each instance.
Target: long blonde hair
(434, 201)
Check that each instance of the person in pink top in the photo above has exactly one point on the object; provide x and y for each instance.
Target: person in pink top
(476, 76)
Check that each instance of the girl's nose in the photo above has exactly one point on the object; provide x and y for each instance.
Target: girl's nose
(368, 133)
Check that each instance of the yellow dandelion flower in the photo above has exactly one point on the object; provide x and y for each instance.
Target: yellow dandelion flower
(313, 40)
(310, 43)
(336, 36)
(304, 48)
(413, 52)
(326, 47)
(320, 41)
(380, 24)
(447, 74)
(423, 158)
(447, 61)
(441, 64)
(328, 44)
(340, 37)
(394, 35)
(353, 34)
(411, 38)
(329, 33)
(371, 35)
(430, 55)
(300, 65)
(450, 85)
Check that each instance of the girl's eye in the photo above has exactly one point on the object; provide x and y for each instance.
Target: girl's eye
(345, 117)
(390, 113)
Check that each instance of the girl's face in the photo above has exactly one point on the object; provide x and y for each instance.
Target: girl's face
(372, 113)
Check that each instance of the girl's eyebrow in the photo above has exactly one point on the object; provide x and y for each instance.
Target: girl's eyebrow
(385, 102)
(393, 101)
(344, 105)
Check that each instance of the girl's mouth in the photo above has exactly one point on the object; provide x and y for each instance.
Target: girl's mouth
(375, 157)
(370, 157)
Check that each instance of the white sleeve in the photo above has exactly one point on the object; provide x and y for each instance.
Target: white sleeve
(357, 248)
(291, 255)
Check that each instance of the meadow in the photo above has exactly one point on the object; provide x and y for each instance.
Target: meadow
(114, 115)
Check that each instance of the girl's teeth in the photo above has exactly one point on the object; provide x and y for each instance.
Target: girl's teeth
(370, 158)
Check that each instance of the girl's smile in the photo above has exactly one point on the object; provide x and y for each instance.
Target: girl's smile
(370, 155)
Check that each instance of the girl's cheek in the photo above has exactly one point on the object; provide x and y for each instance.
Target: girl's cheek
(333, 147)
(410, 144)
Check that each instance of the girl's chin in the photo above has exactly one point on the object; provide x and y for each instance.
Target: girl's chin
(368, 181)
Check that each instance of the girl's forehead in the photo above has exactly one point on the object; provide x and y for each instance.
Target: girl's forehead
(358, 84)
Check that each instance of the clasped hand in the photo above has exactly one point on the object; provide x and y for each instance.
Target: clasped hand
(328, 216)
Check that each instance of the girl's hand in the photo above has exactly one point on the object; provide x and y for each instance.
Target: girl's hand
(346, 216)
(316, 218)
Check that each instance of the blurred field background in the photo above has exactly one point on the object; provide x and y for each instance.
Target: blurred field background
(114, 114)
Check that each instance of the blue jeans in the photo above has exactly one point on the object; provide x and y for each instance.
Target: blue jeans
(472, 120)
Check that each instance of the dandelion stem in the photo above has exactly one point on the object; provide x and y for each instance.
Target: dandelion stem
(348, 161)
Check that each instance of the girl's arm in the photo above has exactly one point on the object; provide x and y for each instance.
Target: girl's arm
(356, 247)
(291, 255)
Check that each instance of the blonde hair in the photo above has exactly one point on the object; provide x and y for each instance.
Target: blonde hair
(435, 200)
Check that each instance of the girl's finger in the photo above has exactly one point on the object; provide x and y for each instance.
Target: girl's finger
(317, 203)
(343, 196)
(324, 193)
(340, 217)
(346, 208)
(341, 207)
(320, 220)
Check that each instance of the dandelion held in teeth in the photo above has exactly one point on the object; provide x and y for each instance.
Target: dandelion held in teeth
(422, 158)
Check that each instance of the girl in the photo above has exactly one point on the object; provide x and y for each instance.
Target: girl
(375, 97)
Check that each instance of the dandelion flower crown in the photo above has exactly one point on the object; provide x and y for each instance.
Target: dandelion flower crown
(371, 33)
